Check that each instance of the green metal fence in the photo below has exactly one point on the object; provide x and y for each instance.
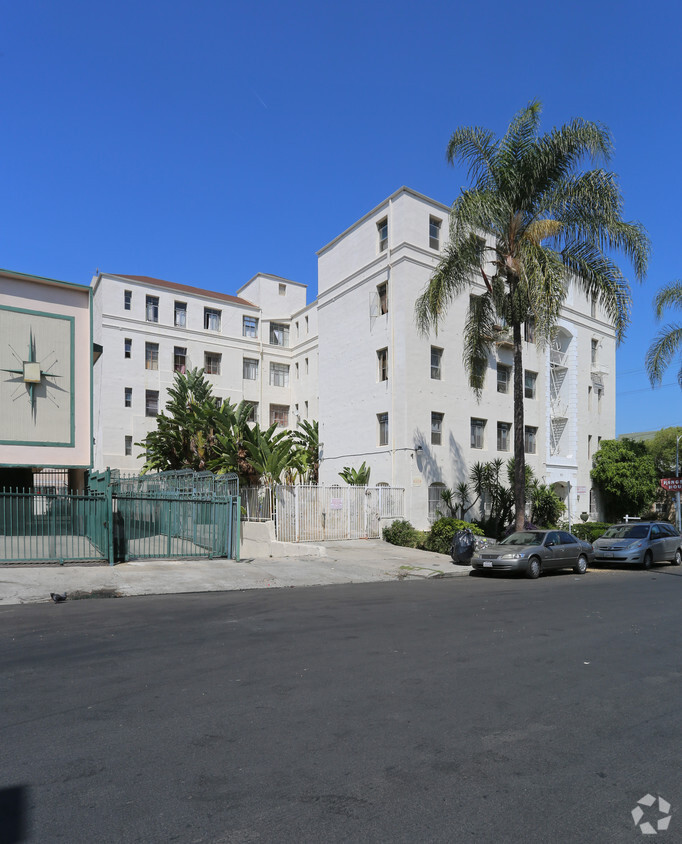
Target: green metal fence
(41, 527)
(170, 514)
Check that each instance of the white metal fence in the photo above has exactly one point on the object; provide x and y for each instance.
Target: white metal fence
(311, 513)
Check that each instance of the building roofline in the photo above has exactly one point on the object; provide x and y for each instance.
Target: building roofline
(183, 288)
(44, 279)
(274, 278)
(403, 189)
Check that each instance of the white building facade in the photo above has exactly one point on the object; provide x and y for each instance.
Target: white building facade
(259, 346)
(401, 402)
(354, 360)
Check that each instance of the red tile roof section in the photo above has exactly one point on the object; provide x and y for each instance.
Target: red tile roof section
(185, 288)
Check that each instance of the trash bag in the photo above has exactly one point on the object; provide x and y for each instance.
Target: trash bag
(463, 546)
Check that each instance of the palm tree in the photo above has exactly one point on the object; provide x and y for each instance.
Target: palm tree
(356, 477)
(669, 339)
(531, 220)
(308, 441)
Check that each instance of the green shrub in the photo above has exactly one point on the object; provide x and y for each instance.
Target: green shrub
(439, 538)
(402, 533)
(589, 531)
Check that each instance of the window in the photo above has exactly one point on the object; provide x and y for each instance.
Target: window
(128, 397)
(589, 397)
(296, 365)
(151, 355)
(249, 326)
(296, 410)
(127, 347)
(436, 361)
(503, 431)
(250, 369)
(593, 352)
(180, 319)
(503, 378)
(530, 440)
(306, 366)
(593, 306)
(297, 330)
(589, 446)
(279, 334)
(477, 432)
(600, 392)
(151, 402)
(253, 413)
(306, 325)
(152, 308)
(382, 364)
(211, 319)
(180, 359)
(530, 384)
(212, 363)
(279, 414)
(218, 402)
(382, 420)
(128, 448)
(382, 228)
(529, 331)
(436, 428)
(434, 232)
(127, 299)
(305, 405)
(382, 293)
(435, 501)
(279, 374)
(282, 290)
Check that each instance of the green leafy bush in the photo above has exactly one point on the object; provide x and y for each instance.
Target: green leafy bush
(402, 533)
(439, 538)
(589, 531)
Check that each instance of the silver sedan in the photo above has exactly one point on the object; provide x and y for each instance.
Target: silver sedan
(534, 551)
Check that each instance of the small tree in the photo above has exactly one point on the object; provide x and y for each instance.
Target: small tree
(356, 477)
(546, 506)
(626, 477)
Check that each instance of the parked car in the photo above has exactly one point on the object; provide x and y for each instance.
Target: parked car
(639, 544)
(534, 551)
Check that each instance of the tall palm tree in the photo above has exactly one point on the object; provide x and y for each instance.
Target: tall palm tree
(531, 220)
(668, 341)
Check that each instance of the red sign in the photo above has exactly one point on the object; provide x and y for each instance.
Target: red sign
(672, 484)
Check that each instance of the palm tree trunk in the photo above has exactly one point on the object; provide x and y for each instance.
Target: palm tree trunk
(519, 431)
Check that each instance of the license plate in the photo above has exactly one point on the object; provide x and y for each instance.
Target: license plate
(487, 564)
(607, 554)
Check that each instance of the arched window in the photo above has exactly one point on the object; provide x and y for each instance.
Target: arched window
(436, 505)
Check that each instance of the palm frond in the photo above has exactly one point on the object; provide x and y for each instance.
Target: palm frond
(667, 343)
(669, 296)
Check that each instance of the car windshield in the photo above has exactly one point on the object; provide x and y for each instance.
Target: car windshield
(524, 537)
(627, 532)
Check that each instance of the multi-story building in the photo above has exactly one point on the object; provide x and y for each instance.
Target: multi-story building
(259, 346)
(407, 409)
(354, 360)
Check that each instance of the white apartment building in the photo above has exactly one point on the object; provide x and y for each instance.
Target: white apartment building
(401, 402)
(355, 361)
(259, 346)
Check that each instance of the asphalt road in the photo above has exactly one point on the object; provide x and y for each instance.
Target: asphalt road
(474, 709)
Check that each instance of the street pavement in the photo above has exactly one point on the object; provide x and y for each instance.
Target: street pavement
(352, 561)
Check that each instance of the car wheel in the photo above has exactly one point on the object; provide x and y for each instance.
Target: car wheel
(534, 568)
(648, 559)
(677, 560)
(581, 566)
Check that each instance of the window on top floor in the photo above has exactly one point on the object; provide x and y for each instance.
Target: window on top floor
(593, 306)
(594, 351)
(529, 331)
(212, 319)
(249, 326)
(282, 289)
(279, 334)
(503, 378)
(436, 363)
(434, 232)
(180, 319)
(127, 299)
(152, 308)
(382, 229)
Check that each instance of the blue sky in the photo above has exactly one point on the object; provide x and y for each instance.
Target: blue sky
(203, 142)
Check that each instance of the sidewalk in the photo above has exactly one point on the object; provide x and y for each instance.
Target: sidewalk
(352, 561)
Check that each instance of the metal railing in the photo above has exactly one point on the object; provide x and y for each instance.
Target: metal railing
(257, 504)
